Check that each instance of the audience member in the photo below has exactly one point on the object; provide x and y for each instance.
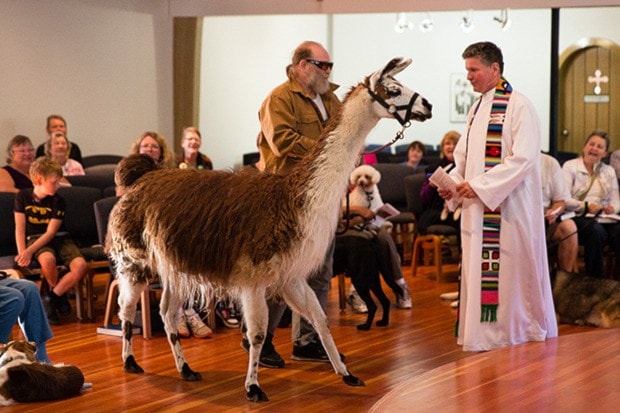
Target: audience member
(15, 176)
(593, 187)
(20, 302)
(57, 148)
(555, 194)
(435, 211)
(130, 169)
(292, 118)
(154, 145)
(361, 226)
(39, 235)
(415, 153)
(505, 292)
(56, 123)
(191, 156)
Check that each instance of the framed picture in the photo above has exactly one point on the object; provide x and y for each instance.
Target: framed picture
(462, 96)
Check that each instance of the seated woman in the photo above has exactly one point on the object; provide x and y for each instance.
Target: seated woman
(435, 211)
(154, 145)
(58, 148)
(415, 153)
(15, 176)
(594, 189)
(191, 157)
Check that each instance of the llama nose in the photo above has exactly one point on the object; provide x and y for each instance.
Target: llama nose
(427, 105)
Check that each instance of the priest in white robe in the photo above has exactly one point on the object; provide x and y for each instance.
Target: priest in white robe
(522, 309)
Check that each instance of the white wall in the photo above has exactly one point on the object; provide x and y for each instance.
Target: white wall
(244, 58)
(105, 66)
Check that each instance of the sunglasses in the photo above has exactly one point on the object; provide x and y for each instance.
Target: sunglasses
(320, 65)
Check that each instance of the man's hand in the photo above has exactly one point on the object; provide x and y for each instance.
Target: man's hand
(465, 190)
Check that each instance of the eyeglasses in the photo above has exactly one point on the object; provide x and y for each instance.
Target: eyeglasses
(149, 146)
(320, 65)
(28, 150)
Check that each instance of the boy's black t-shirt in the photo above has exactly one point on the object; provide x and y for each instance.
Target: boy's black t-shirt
(39, 213)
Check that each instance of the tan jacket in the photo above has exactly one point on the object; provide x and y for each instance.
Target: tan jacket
(290, 125)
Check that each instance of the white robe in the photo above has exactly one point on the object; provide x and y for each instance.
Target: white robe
(525, 312)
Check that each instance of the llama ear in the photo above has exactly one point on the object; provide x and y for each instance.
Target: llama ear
(393, 67)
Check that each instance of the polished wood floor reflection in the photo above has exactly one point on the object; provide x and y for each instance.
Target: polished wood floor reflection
(417, 343)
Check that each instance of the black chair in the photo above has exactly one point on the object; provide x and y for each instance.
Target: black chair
(93, 160)
(392, 189)
(433, 239)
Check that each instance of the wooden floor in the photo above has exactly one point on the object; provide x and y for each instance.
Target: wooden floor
(417, 346)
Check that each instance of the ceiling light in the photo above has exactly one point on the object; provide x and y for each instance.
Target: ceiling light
(402, 24)
(426, 25)
(503, 20)
(467, 25)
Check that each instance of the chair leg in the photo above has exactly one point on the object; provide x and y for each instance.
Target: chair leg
(342, 300)
(110, 302)
(145, 298)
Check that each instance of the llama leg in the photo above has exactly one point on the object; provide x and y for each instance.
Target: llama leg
(300, 297)
(385, 304)
(363, 289)
(128, 297)
(255, 316)
(168, 308)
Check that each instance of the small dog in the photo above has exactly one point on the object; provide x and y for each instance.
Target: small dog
(583, 300)
(364, 190)
(23, 379)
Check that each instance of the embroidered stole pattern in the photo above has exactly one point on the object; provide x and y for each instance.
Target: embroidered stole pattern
(491, 223)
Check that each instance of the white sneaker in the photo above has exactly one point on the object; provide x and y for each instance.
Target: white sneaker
(450, 296)
(182, 326)
(404, 301)
(356, 302)
(199, 329)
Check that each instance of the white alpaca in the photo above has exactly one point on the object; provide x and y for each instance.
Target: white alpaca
(254, 233)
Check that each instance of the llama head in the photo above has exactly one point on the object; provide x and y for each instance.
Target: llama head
(399, 102)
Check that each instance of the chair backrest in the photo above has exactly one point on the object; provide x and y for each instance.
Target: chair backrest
(413, 185)
(392, 184)
(102, 209)
(7, 224)
(79, 215)
(92, 160)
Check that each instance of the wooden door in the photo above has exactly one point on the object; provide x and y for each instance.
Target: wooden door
(582, 106)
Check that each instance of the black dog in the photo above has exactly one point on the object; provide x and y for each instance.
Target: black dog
(358, 257)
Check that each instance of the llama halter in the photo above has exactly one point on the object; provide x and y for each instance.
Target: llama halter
(394, 109)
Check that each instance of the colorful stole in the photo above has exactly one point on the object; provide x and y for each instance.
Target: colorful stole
(491, 223)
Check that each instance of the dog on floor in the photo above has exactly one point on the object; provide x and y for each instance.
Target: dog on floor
(23, 379)
(584, 300)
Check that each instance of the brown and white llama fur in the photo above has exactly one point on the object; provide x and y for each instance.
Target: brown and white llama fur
(254, 233)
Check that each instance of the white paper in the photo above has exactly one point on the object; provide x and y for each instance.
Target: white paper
(384, 212)
(442, 180)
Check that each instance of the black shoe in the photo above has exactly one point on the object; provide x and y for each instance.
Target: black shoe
(63, 305)
(50, 309)
(312, 351)
(269, 357)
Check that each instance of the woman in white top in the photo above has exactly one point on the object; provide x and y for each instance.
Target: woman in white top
(57, 148)
(594, 190)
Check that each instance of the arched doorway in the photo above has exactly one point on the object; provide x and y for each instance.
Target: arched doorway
(589, 93)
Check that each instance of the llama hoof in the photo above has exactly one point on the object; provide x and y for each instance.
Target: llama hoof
(363, 327)
(256, 394)
(131, 366)
(382, 323)
(188, 374)
(351, 380)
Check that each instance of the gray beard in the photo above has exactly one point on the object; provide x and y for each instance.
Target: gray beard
(318, 84)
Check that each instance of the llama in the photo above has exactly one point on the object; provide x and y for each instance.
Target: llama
(254, 233)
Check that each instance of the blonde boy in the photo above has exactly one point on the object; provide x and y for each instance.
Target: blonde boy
(39, 214)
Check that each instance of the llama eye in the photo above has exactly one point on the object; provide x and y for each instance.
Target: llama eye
(393, 93)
